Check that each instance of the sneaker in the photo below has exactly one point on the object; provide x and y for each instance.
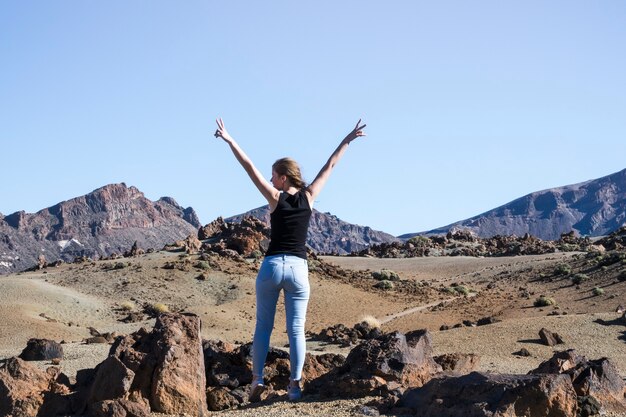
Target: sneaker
(295, 392)
(255, 391)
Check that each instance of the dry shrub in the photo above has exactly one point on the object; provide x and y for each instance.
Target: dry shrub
(371, 321)
(127, 306)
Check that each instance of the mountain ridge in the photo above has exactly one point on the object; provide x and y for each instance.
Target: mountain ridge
(591, 208)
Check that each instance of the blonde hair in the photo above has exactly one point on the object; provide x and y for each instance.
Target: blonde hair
(289, 168)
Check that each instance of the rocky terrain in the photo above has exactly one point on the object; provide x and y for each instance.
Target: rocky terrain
(466, 243)
(328, 234)
(446, 335)
(104, 222)
(592, 208)
(167, 333)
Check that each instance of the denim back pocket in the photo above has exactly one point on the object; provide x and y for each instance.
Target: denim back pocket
(300, 275)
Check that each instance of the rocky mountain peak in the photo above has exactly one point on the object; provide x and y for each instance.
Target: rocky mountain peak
(107, 220)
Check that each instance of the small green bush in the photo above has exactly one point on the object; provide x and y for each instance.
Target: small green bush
(562, 269)
(256, 254)
(544, 301)
(462, 289)
(203, 265)
(419, 241)
(384, 284)
(119, 265)
(579, 278)
(314, 265)
(385, 274)
(598, 291)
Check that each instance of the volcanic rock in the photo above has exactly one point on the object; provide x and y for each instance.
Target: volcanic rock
(550, 338)
(119, 408)
(598, 379)
(41, 349)
(27, 391)
(492, 395)
(246, 237)
(162, 370)
(458, 363)
(392, 361)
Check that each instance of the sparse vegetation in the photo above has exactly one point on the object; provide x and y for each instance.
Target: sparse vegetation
(371, 321)
(622, 276)
(457, 289)
(419, 241)
(127, 306)
(578, 279)
(386, 274)
(203, 265)
(598, 291)
(256, 254)
(120, 265)
(314, 265)
(158, 308)
(562, 269)
(544, 301)
(462, 289)
(385, 284)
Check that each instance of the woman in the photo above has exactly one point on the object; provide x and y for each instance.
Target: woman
(285, 266)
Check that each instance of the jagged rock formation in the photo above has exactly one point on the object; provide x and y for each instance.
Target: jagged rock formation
(466, 243)
(328, 233)
(592, 208)
(106, 221)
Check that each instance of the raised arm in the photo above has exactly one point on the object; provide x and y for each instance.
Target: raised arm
(318, 183)
(270, 193)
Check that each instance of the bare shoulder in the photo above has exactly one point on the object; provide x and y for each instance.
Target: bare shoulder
(309, 196)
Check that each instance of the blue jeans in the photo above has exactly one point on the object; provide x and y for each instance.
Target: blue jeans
(291, 274)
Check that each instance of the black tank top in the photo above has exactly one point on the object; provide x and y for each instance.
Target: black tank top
(289, 224)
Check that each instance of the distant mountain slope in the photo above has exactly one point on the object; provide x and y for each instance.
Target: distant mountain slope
(328, 233)
(592, 208)
(105, 221)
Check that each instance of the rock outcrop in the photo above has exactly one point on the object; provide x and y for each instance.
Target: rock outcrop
(27, 391)
(596, 379)
(466, 243)
(493, 395)
(42, 349)
(248, 237)
(106, 221)
(160, 371)
(380, 366)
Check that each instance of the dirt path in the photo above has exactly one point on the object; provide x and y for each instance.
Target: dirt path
(417, 309)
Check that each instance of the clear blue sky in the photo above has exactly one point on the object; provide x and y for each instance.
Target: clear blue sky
(468, 105)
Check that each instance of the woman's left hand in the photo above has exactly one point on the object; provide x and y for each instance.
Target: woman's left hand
(356, 132)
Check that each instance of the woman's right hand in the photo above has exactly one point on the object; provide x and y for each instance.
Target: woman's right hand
(221, 131)
(356, 132)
